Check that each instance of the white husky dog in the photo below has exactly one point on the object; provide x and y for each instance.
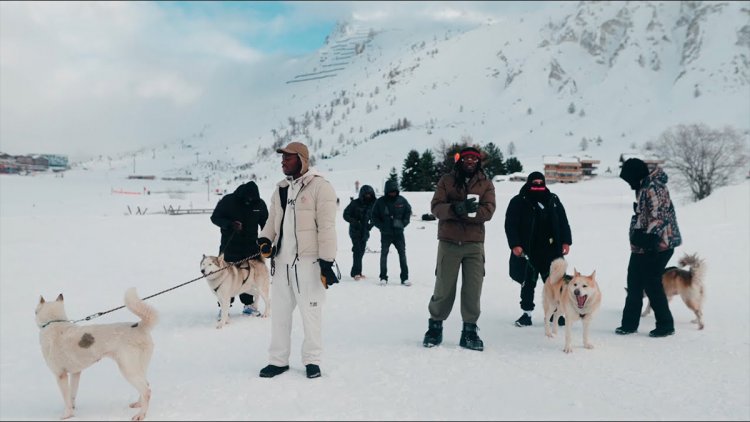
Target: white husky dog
(69, 348)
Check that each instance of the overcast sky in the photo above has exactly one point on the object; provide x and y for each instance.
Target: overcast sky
(90, 78)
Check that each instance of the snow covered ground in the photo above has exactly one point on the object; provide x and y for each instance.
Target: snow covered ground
(73, 235)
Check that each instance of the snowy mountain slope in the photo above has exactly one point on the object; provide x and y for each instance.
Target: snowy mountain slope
(622, 72)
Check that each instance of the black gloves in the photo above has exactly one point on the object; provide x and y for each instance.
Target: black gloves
(327, 277)
(643, 240)
(471, 205)
(461, 208)
(266, 250)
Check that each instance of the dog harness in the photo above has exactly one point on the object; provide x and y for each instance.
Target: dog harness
(249, 270)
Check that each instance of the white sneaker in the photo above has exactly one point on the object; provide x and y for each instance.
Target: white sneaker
(383, 282)
(406, 283)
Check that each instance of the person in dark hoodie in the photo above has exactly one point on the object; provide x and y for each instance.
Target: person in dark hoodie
(239, 215)
(538, 232)
(653, 236)
(391, 214)
(358, 214)
(461, 236)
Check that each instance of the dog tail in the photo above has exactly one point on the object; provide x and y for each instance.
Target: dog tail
(557, 269)
(147, 313)
(697, 271)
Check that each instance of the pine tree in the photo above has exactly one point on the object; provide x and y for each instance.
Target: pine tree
(493, 163)
(513, 165)
(410, 172)
(427, 180)
(393, 176)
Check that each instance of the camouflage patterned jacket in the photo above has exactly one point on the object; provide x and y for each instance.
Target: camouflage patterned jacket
(654, 225)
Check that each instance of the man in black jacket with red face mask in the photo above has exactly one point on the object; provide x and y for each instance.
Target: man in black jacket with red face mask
(538, 232)
(239, 215)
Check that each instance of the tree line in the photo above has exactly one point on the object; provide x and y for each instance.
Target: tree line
(701, 159)
(421, 172)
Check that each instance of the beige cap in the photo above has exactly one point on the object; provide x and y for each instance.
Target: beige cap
(301, 150)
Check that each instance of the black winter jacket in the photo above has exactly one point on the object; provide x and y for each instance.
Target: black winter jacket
(245, 206)
(523, 222)
(359, 212)
(391, 214)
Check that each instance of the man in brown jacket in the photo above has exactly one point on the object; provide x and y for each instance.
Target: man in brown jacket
(461, 245)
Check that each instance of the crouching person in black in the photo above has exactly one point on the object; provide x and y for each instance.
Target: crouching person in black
(358, 214)
(239, 215)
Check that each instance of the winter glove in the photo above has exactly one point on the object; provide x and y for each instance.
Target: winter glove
(327, 277)
(471, 205)
(266, 250)
(237, 226)
(643, 240)
(461, 208)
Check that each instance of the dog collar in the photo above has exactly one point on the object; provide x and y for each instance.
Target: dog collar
(50, 322)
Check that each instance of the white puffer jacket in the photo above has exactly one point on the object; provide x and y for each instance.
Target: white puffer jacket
(314, 214)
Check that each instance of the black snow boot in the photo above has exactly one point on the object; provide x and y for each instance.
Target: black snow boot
(469, 337)
(434, 334)
(271, 371)
(661, 332)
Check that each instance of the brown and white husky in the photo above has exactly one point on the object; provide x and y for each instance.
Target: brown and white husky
(686, 282)
(574, 298)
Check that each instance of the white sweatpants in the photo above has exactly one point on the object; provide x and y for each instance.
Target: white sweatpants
(293, 286)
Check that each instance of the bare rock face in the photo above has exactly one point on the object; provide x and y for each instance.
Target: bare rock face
(560, 80)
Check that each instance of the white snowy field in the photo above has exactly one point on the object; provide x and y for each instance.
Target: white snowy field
(72, 235)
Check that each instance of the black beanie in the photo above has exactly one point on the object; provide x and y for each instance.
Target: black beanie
(535, 176)
(633, 171)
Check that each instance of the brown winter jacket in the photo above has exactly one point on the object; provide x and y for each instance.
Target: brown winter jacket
(453, 228)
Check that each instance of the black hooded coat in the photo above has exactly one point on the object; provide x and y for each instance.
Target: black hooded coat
(531, 227)
(359, 212)
(391, 214)
(245, 206)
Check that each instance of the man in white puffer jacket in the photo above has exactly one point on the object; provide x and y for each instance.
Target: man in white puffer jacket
(300, 237)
